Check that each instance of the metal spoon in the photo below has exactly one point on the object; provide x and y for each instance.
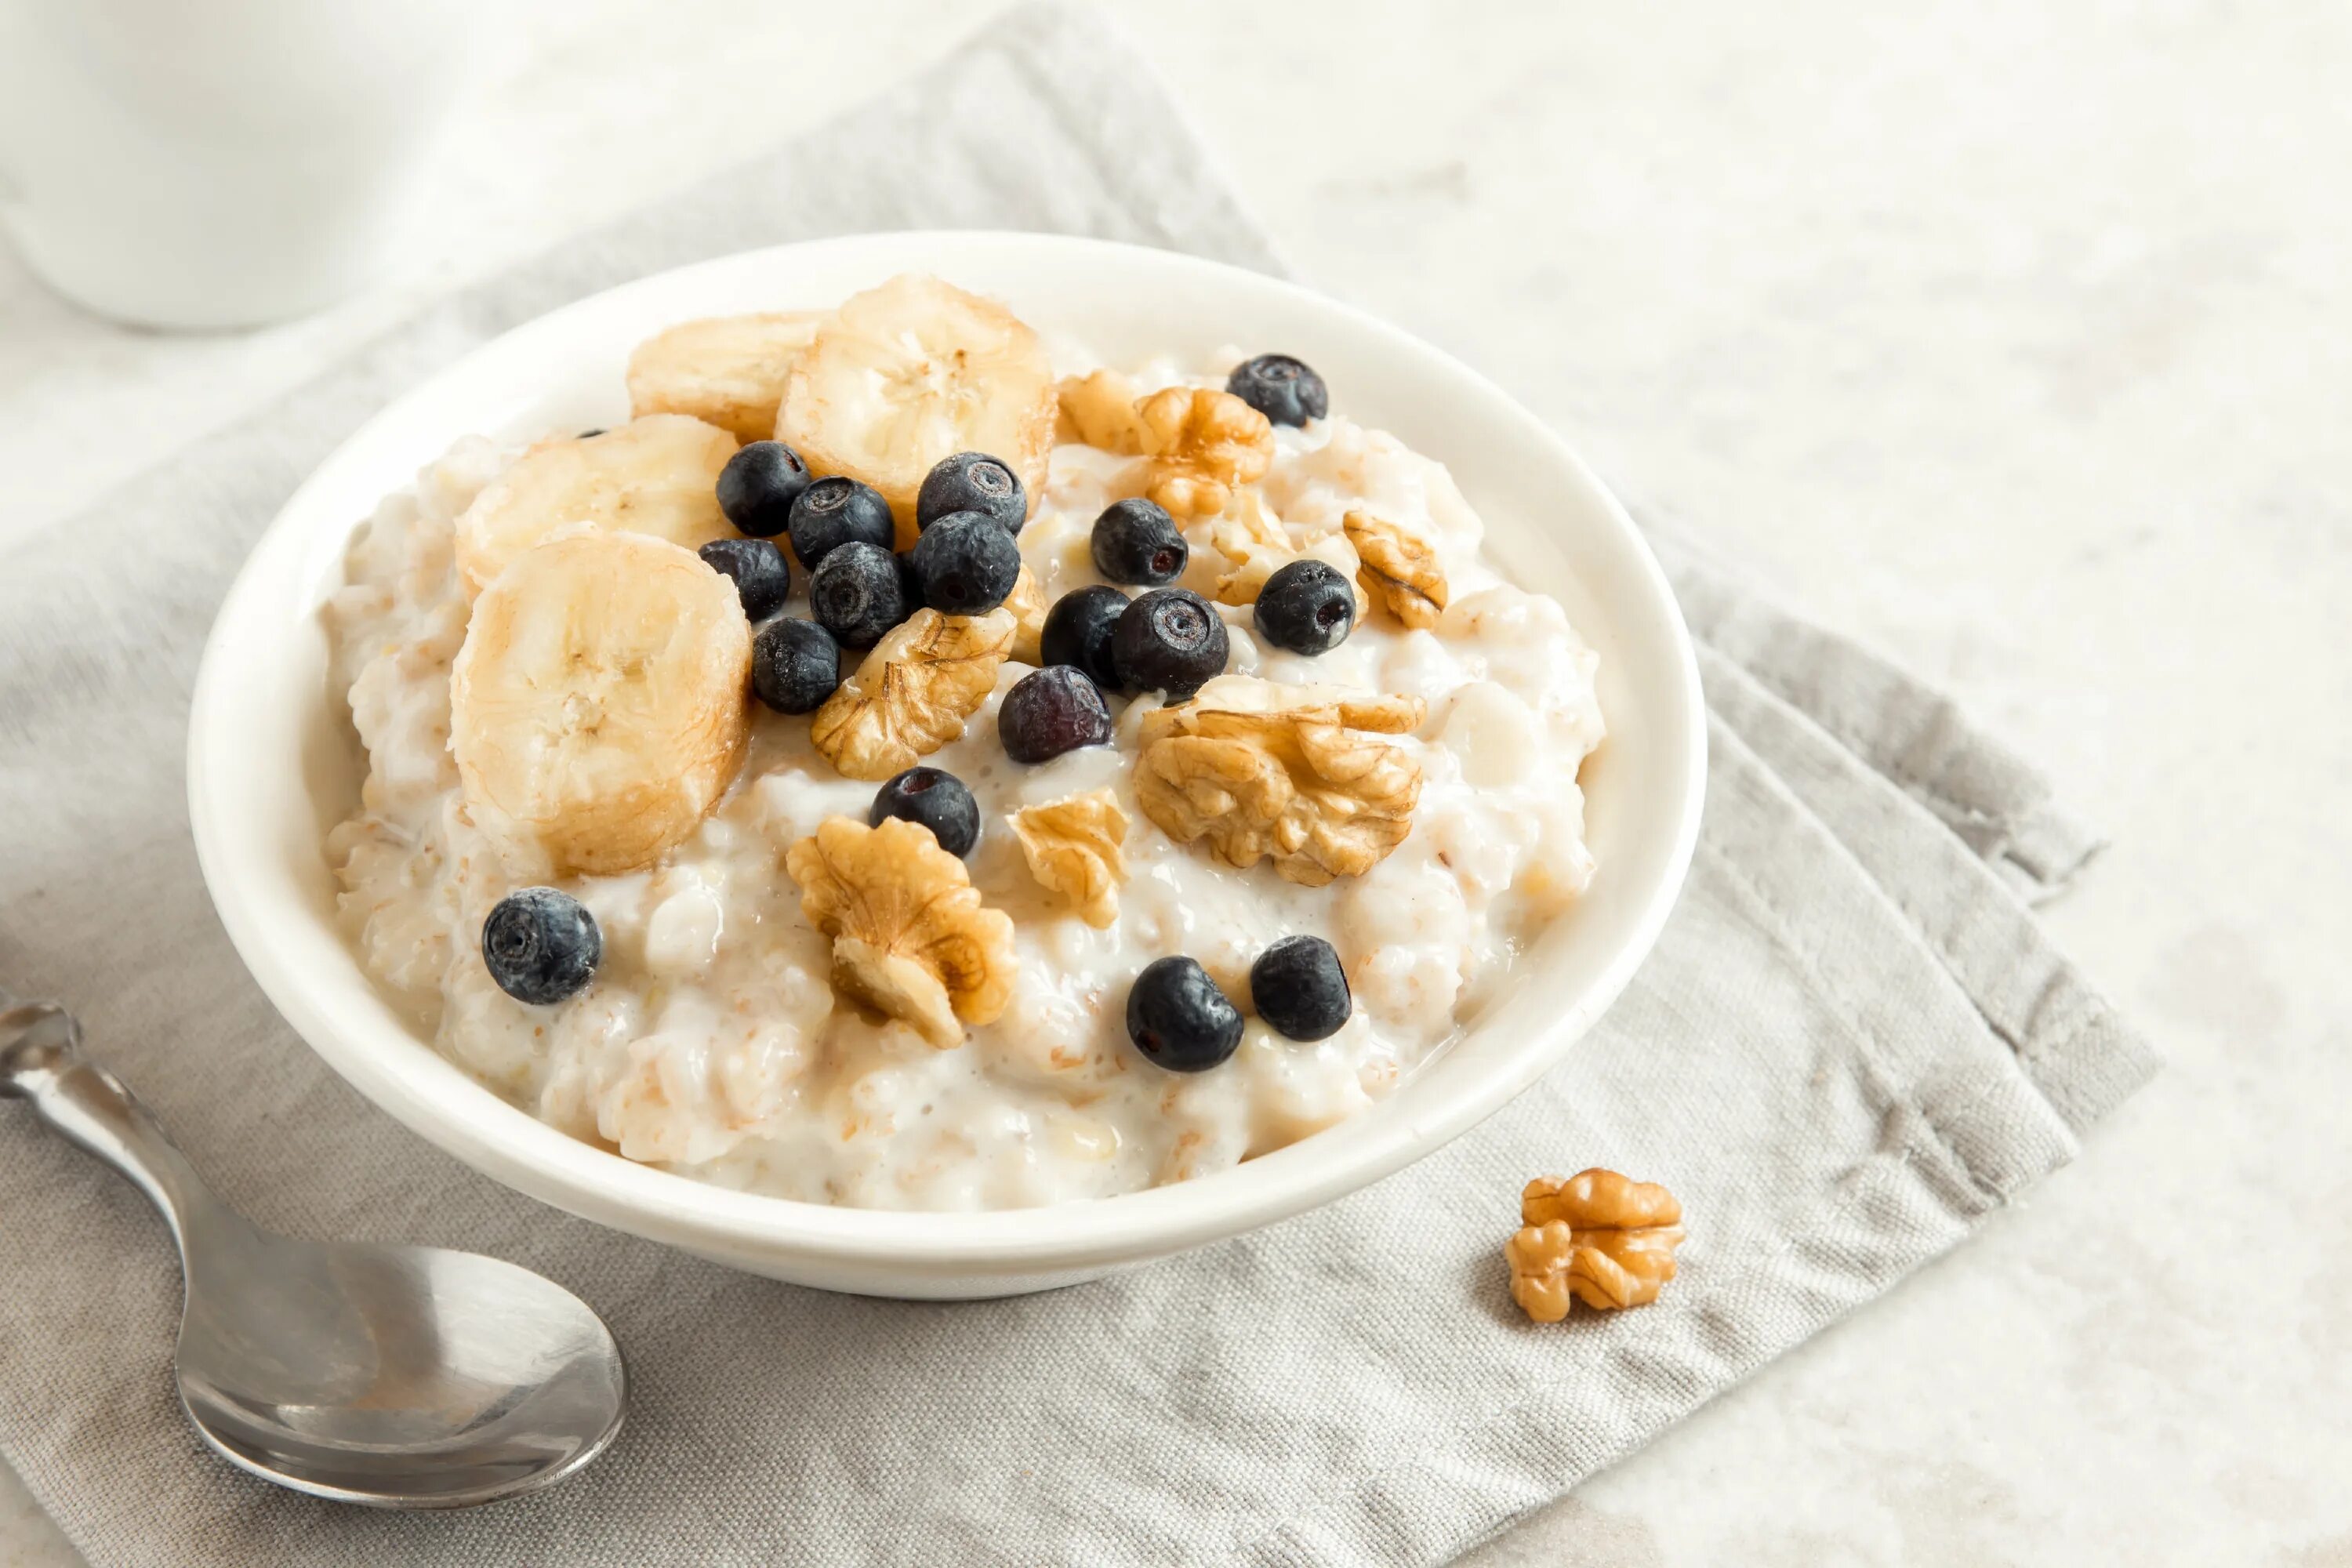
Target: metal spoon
(393, 1376)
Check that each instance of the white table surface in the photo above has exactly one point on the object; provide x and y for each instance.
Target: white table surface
(2013, 335)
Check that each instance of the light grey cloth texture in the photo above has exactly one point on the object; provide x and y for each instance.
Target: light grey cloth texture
(1852, 1044)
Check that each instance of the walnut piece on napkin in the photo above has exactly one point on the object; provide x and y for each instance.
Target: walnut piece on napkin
(1595, 1236)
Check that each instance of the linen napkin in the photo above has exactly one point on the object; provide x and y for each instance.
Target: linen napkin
(1852, 1043)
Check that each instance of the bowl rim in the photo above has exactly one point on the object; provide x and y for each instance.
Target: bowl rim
(506, 1142)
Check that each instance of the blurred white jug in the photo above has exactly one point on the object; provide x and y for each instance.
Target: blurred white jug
(221, 162)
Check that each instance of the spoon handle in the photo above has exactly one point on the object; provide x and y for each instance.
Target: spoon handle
(41, 1060)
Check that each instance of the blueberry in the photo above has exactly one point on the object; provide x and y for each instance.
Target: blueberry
(541, 945)
(1136, 541)
(967, 562)
(971, 481)
(1306, 607)
(836, 511)
(1049, 712)
(795, 665)
(763, 578)
(758, 487)
(1281, 388)
(1078, 632)
(854, 593)
(1169, 640)
(936, 799)
(1178, 1017)
(1298, 988)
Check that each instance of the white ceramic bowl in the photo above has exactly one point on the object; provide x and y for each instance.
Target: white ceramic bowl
(272, 762)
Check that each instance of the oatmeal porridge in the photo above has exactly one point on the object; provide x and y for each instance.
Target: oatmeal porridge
(1152, 771)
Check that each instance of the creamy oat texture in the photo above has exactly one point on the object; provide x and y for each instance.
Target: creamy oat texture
(711, 1041)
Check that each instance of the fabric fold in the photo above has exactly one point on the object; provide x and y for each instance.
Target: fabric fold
(1992, 800)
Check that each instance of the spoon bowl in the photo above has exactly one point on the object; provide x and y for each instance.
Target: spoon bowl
(403, 1377)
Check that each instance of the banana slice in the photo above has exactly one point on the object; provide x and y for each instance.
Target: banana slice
(728, 371)
(657, 474)
(598, 708)
(910, 372)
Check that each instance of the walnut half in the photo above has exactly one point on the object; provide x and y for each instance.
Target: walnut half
(912, 693)
(910, 937)
(1596, 1236)
(1098, 410)
(1074, 848)
(1027, 602)
(1318, 787)
(1202, 443)
(1401, 568)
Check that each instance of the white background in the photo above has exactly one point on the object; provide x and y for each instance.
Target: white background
(2013, 334)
